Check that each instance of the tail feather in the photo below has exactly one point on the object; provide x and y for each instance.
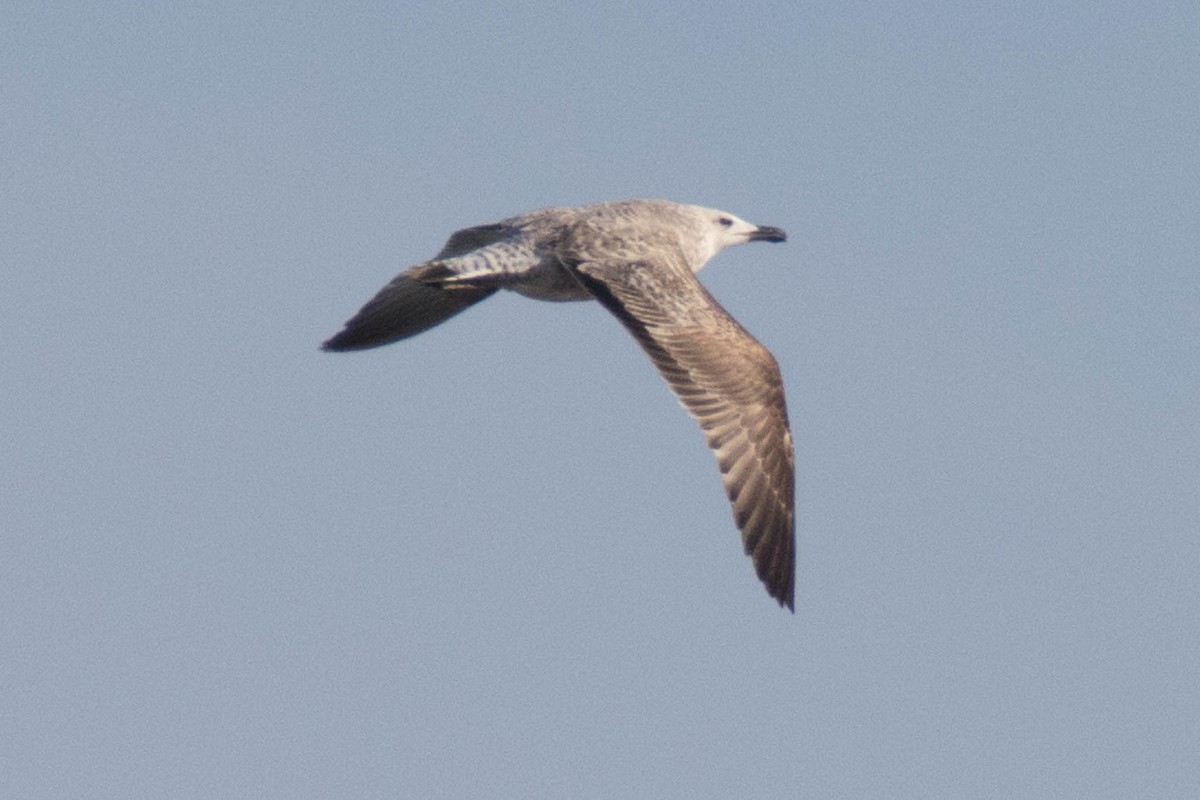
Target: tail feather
(403, 308)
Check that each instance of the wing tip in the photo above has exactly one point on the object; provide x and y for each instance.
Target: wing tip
(787, 601)
(782, 591)
(351, 338)
(779, 574)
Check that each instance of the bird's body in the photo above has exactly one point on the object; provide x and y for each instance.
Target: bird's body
(639, 259)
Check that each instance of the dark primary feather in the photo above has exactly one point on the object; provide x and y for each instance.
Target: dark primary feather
(403, 308)
(730, 383)
(407, 306)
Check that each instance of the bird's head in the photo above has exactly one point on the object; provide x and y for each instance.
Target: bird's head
(720, 229)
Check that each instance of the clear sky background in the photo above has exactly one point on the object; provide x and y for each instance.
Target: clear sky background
(495, 560)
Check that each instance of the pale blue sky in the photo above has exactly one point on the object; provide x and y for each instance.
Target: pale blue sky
(495, 560)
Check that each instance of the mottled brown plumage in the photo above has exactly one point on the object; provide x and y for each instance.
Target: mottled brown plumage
(639, 259)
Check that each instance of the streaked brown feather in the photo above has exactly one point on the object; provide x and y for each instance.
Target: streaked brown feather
(732, 386)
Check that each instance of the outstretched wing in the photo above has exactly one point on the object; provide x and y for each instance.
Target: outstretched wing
(403, 308)
(730, 383)
(412, 303)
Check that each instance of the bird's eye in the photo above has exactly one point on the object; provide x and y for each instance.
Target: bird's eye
(725, 222)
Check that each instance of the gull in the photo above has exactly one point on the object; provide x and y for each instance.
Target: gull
(639, 258)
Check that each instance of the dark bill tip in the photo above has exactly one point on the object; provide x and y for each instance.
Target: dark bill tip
(766, 233)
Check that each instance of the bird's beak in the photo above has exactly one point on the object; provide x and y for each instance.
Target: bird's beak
(765, 233)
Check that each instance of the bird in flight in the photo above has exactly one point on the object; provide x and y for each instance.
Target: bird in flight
(639, 258)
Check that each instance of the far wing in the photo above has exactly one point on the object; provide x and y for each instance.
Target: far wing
(468, 239)
(418, 298)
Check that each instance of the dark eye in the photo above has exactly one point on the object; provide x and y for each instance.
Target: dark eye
(726, 222)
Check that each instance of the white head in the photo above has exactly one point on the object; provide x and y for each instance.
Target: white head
(720, 229)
